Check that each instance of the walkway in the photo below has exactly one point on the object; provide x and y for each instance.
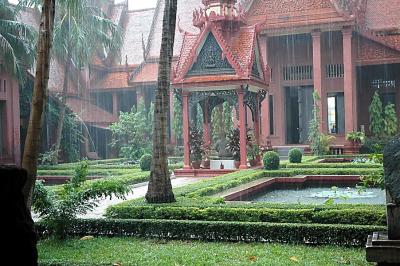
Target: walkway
(138, 191)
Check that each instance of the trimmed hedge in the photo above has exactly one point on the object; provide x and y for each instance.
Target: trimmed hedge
(271, 160)
(347, 235)
(334, 165)
(295, 155)
(226, 213)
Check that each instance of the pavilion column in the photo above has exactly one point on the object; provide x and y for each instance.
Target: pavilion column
(317, 74)
(185, 117)
(242, 128)
(257, 125)
(206, 124)
(350, 106)
(115, 103)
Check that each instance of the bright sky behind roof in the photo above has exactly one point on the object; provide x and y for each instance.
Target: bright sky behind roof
(133, 4)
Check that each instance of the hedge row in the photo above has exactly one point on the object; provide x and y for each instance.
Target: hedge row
(218, 184)
(225, 213)
(334, 165)
(347, 235)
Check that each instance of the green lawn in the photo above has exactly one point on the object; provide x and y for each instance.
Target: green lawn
(133, 251)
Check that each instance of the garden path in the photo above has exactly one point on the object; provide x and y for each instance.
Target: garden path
(138, 190)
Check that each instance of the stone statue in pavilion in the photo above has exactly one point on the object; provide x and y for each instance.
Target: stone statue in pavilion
(381, 247)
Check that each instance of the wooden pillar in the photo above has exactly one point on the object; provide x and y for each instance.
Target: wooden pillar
(185, 117)
(317, 75)
(115, 103)
(349, 88)
(242, 128)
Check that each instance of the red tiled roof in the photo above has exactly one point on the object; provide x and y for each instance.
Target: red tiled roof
(383, 14)
(242, 47)
(112, 80)
(90, 113)
(147, 73)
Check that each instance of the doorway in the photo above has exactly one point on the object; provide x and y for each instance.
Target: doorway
(298, 108)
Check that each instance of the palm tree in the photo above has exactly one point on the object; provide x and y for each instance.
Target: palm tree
(81, 29)
(16, 42)
(160, 189)
(32, 141)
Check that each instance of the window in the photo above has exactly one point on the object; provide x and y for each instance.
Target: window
(271, 114)
(335, 71)
(336, 113)
(297, 72)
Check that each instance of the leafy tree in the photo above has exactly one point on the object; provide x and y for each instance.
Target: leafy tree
(16, 42)
(217, 123)
(160, 188)
(133, 132)
(314, 133)
(59, 208)
(377, 122)
(32, 141)
(80, 30)
(390, 120)
(177, 122)
(227, 116)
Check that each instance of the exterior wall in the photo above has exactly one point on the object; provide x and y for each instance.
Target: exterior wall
(9, 95)
(285, 51)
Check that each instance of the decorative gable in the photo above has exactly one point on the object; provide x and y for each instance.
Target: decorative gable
(210, 60)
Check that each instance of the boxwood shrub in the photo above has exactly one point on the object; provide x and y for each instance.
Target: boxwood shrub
(347, 235)
(271, 160)
(145, 162)
(295, 155)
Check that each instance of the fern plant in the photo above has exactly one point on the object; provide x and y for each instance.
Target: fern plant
(59, 208)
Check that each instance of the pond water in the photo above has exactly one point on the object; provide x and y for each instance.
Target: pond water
(318, 195)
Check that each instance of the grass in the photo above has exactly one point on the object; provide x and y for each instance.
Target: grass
(133, 251)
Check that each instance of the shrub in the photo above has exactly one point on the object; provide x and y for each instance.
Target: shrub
(336, 234)
(295, 155)
(271, 160)
(145, 162)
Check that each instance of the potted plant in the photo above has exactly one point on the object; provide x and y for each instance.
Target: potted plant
(196, 148)
(206, 161)
(233, 145)
(356, 138)
(253, 151)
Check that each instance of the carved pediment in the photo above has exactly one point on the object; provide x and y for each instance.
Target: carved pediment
(210, 60)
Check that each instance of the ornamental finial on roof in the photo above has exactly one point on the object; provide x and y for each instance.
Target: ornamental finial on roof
(218, 11)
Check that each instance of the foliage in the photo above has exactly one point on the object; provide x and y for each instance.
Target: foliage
(271, 160)
(227, 116)
(353, 165)
(336, 234)
(233, 144)
(59, 209)
(376, 119)
(361, 216)
(390, 120)
(356, 136)
(17, 42)
(47, 158)
(314, 134)
(177, 122)
(295, 155)
(217, 124)
(133, 133)
(373, 181)
(145, 162)
(196, 145)
(374, 144)
(253, 149)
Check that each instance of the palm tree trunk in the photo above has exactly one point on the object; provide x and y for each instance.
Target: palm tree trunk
(32, 141)
(62, 107)
(160, 189)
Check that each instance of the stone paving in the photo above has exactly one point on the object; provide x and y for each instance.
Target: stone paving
(138, 190)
